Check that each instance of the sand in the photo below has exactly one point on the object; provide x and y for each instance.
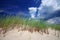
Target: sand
(26, 35)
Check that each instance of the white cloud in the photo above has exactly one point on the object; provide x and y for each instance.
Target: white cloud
(32, 11)
(54, 20)
(50, 3)
(51, 21)
(1, 10)
(48, 6)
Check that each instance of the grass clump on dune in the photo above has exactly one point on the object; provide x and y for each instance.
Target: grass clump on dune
(37, 25)
(55, 26)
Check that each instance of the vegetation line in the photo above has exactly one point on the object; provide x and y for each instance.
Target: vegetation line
(25, 24)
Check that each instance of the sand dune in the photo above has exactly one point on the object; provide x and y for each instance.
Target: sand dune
(26, 35)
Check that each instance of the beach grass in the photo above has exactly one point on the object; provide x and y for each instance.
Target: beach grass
(12, 21)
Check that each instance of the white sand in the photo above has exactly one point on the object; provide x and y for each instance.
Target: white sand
(25, 35)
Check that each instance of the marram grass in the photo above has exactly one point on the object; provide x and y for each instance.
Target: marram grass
(16, 20)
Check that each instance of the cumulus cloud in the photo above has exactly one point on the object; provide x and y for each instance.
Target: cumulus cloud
(54, 20)
(48, 7)
(32, 11)
(48, 10)
(55, 4)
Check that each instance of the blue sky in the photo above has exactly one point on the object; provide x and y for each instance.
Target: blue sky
(19, 7)
(21, 4)
(43, 9)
